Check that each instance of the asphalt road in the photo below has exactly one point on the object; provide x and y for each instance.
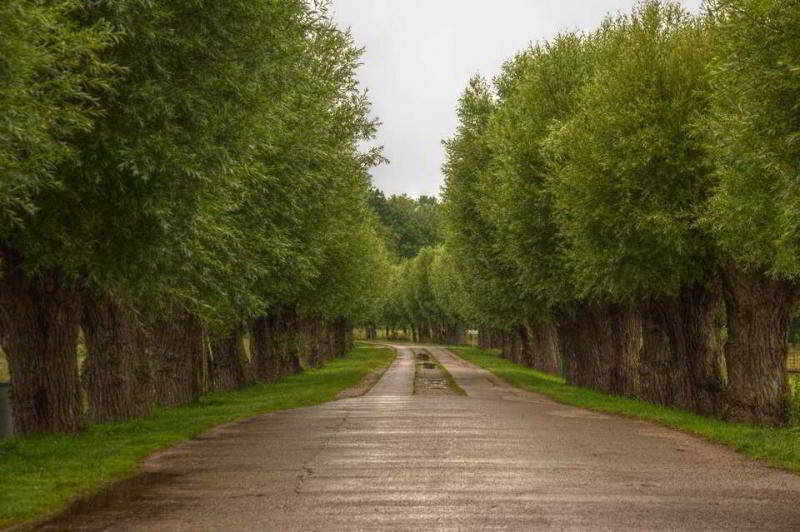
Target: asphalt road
(496, 459)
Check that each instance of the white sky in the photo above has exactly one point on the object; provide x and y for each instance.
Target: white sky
(420, 54)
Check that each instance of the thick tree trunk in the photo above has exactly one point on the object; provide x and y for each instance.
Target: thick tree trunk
(759, 311)
(315, 330)
(681, 354)
(624, 348)
(265, 357)
(290, 343)
(176, 350)
(228, 361)
(600, 343)
(40, 319)
(546, 352)
(341, 337)
(117, 375)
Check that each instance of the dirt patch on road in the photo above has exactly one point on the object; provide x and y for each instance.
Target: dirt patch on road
(430, 377)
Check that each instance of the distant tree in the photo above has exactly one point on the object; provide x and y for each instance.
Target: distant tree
(407, 224)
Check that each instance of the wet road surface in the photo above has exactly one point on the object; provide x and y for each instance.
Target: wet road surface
(496, 459)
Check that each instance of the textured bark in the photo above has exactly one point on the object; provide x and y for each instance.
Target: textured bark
(316, 331)
(40, 319)
(600, 344)
(681, 355)
(176, 351)
(117, 375)
(340, 337)
(624, 349)
(290, 343)
(545, 349)
(265, 358)
(759, 311)
(228, 363)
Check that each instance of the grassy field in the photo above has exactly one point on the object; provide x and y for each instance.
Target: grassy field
(41, 475)
(778, 447)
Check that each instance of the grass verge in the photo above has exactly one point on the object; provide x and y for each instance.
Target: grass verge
(41, 475)
(779, 447)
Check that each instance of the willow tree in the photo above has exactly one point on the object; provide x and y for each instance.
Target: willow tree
(753, 129)
(471, 238)
(629, 179)
(537, 88)
(319, 201)
(51, 75)
(178, 131)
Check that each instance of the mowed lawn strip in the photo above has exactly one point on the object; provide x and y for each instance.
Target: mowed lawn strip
(41, 475)
(779, 447)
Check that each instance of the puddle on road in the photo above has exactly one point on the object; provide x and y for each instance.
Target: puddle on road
(134, 497)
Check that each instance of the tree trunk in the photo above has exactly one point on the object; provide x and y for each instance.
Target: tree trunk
(40, 319)
(624, 349)
(681, 353)
(290, 343)
(600, 342)
(759, 311)
(117, 375)
(176, 349)
(264, 360)
(546, 352)
(315, 329)
(228, 361)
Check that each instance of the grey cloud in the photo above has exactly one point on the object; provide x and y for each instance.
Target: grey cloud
(420, 55)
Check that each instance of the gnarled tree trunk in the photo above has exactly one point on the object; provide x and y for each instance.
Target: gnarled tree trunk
(546, 352)
(759, 311)
(681, 354)
(40, 319)
(176, 351)
(117, 376)
(265, 358)
(228, 363)
(600, 344)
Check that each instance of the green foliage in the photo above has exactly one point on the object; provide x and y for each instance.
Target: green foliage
(407, 224)
(41, 475)
(753, 130)
(629, 174)
(193, 155)
(536, 89)
(51, 75)
(471, 239)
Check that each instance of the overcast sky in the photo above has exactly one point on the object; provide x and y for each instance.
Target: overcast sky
(421, 53)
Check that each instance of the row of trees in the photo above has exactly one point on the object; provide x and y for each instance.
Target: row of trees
(624, 205)
(175, 176)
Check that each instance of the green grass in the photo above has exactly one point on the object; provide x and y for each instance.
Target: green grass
(779, 447)
(4, 376)
(41, 475)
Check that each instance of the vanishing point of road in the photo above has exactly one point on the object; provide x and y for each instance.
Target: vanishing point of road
(496, 459)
